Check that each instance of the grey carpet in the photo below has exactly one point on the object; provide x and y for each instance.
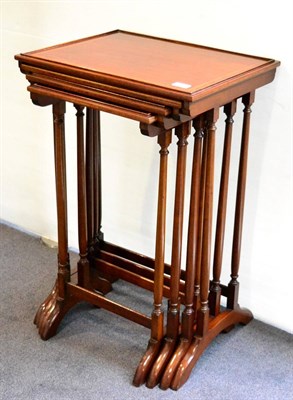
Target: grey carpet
(95, 353)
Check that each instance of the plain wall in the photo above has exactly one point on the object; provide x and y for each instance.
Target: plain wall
(130, 161)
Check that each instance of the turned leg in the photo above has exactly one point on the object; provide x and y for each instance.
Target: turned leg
(208, 329)
(102, 283)
(157, 323)
(93, 177)
(157, 328)
(97, 177)
(90, 178)
(60, 171)
(173, 315)
(173, 311)
(83, 264)
(215, 291)
(57, 304)
(192, 240)
(187, 323)
(203, 312)
(196, 302)
(233, 287)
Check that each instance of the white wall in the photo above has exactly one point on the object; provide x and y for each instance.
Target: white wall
(130, 160)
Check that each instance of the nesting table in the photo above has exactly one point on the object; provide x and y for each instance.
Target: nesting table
(166, 86)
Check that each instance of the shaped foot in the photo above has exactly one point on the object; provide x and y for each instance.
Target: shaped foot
(161, 362)
(174, 362)
(51, 312)
(198, 345)
(146, 362)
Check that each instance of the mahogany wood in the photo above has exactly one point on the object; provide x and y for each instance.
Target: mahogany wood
(97, 183)
(138, 280)
(134, 267)
(82, 294)
(95, 104)
(52, 310)
(61, 194)
(199, 344)
(135, 257)
(28, 69)
(201, 128)
(173, 311)
(139, 70)
(215, 291)
(90, 177)
(188, 315)
(163, 84)
(157, 327)
(203, 312)
(83, 264)
(233, 286)
(173, 316)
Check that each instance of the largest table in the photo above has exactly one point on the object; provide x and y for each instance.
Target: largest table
(165, 85)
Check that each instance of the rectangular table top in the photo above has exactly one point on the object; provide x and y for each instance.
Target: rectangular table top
(146, 74)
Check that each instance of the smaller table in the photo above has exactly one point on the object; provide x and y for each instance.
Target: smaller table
(165, 85)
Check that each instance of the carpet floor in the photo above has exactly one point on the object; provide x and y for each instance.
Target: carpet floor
(95, 353)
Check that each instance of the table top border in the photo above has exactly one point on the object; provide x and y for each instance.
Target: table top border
(29, 58)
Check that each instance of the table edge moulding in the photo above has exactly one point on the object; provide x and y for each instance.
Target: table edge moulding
(166, 86)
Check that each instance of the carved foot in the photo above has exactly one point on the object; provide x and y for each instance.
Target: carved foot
(174, 362)
(146, 362)
(160, 363)
(50, 313)
(198, 345)
(171, 365)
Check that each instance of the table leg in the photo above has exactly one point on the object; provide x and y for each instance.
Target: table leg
(196, 301)
(190, 356)
(208, 329)
(53, 309)
(203, 312)
(100, 282)
(233, 287)
(183, 131)
(157, 326)
(83, 264)
(215, 291)
(188, 315)
(90, 178)
(93, 177)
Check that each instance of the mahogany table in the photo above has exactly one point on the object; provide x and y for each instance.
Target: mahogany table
(164, 85)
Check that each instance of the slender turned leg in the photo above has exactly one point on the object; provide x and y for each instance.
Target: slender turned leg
(157, 329)
(203, 313)
(208, 330)
(56, 305)
(233, 287)
(173, 312)
(83, 264)
(93, 177)
(60, 167)
(157, 326)
(196, 301)
(97, 177)
(188, 313)
(90, 178)
(182, 132)
(215, 291)
(93, 197)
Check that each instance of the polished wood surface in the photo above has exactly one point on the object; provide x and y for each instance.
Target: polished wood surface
(215, 291)
(106, 55)
(167, 86)
(139, 77)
